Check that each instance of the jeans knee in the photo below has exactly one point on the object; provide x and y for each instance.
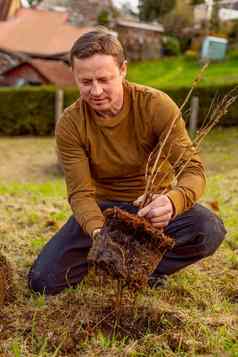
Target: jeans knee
(214, 232)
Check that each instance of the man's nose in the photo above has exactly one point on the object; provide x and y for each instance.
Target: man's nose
(96, 89)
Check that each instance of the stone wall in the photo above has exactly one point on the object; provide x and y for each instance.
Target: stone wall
(140, 44)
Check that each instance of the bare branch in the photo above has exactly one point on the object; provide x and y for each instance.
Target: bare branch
(151, 171)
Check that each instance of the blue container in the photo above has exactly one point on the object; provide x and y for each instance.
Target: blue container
(214, 48)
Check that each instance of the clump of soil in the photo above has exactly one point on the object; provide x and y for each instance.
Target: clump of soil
(135, 247)
(5, 281)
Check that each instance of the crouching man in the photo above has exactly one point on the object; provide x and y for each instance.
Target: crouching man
(104, 140)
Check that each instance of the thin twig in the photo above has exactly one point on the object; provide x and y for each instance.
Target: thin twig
(220, 110)
(194, 85)
(150, 173)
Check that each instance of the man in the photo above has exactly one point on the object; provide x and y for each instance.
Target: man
(104, 141)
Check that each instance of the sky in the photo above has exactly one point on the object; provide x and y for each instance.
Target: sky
(133, 3)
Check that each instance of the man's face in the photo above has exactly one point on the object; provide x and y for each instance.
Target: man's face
(99, 79)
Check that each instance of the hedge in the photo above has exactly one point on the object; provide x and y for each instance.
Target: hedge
(206, 96)
(30, 110)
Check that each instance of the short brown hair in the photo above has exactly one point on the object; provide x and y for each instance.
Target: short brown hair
(98, 41)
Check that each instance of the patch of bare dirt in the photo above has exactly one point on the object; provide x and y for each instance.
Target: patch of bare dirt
(28, 159)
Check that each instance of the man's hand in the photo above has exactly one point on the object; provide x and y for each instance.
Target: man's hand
(159, 211)
(97, 230)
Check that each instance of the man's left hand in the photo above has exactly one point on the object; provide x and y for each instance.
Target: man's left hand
(159, 211)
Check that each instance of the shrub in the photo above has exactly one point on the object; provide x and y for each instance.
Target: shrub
(103, 18)
(233, 54)
(30, 110)
(206, 96)
(171, 46)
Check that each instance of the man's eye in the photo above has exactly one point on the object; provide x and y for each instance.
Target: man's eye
(103, 80)
(86, 83)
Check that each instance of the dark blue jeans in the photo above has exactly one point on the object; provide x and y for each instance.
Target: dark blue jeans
(63, 261)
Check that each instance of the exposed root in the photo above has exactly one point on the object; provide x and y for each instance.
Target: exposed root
(141, 247)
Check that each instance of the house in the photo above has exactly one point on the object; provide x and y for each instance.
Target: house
(36, 33)
(37, 72)
(229, 4)
(28, 55)
(228, 11)
(202, 12)
(140, 40)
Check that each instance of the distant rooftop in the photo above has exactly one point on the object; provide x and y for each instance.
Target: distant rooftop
(38, 32)
(141, 25)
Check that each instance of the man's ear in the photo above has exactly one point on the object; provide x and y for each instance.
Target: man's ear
(123, 69)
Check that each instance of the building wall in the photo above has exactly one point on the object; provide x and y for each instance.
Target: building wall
(140, 44)
(81, 12)
(201, 13)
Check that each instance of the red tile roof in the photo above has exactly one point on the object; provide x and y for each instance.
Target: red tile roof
(39, 32)
(57, 72)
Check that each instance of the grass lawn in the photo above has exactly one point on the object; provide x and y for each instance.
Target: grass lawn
(195, 315)
(180, 72)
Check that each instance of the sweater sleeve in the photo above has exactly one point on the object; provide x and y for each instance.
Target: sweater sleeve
(80, 186)
(191, 181)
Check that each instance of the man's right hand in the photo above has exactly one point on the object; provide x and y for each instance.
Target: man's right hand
(97, 230)
(159, 211)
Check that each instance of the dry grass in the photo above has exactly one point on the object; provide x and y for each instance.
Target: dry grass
(197, 314)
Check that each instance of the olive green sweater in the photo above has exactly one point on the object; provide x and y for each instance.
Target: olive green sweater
(105, 158)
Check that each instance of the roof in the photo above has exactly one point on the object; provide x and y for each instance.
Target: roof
(216, 39)
(56, 72)
(39, 32)
(141, 25)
